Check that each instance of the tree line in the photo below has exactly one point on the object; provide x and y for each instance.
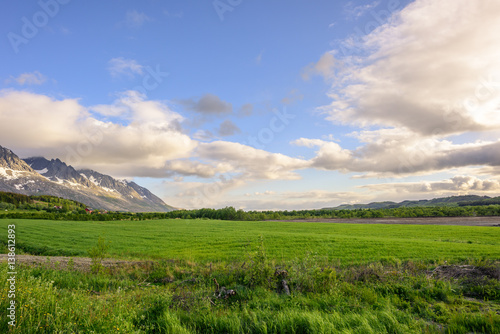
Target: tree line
(16, 206)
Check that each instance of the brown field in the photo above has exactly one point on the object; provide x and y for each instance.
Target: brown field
(458, 221)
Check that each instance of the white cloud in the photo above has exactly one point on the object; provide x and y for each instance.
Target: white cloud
(37, 121)
(34, 124)
(136, 19)
(251, 162)
(148, 142)
(324, 67)
(355, 12)
(415, 82)
(196, 168)
(393, 152)
(127, 67)
(460, 184)
(32, 78)
(425, 74)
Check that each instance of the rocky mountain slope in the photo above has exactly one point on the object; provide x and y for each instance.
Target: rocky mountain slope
(53, 177)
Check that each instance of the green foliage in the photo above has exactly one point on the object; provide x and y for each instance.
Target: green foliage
(481, 202)
(260, 270)
(401, 300)
(97, 254)
(229, 213)
(55, 208)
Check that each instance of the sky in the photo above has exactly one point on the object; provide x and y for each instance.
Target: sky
(259, 105)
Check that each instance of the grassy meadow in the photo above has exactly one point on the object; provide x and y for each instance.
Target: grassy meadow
(210, 276)
(215, 240)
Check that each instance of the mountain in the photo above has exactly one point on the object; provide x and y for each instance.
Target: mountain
(443, 201)
(57, 171)
(39, 176)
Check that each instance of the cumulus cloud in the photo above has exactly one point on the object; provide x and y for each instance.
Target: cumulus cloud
(323, 67)
(124, 67)
(147, 142)
(196, 168)
(36, 121)
(176, 169)
(397, 152)
(208, 104)
(431, 76)
(228, 128)
(251, 162)
(34, 124)
(411, 86)
(462, 184)
(32, 78)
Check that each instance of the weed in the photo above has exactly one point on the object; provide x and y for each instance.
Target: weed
(97, 254)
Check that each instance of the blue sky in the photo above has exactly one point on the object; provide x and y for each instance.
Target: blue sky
(258, 104)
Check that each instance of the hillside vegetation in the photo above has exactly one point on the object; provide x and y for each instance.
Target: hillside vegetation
(13, 201)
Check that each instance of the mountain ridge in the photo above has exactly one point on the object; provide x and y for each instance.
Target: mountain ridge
(40, 176)
(440, 201)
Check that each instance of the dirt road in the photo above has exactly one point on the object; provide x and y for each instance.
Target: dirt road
(79, 263)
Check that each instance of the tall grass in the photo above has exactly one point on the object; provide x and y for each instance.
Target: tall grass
(179, 297)
(341, 278)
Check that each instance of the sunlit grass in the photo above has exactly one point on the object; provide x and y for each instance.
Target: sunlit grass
(343, 278)
(213, 240)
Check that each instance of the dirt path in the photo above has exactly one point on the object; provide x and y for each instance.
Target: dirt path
(457, 221)
(79, 263)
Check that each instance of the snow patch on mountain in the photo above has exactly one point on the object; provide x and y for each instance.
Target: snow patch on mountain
(10, 174)
(94, 181)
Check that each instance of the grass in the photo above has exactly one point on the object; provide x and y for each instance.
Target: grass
(212, 240)
(342, 278)
(180, 297)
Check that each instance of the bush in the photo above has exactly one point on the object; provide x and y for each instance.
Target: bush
(97, 254)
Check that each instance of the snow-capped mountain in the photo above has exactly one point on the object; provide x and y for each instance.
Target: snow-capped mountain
(57, 171)
(53, 177)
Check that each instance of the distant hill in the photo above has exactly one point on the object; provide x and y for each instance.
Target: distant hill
(444, 201)
(40, 176)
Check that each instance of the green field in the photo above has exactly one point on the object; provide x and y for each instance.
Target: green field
(342, 278)
(212, 240)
